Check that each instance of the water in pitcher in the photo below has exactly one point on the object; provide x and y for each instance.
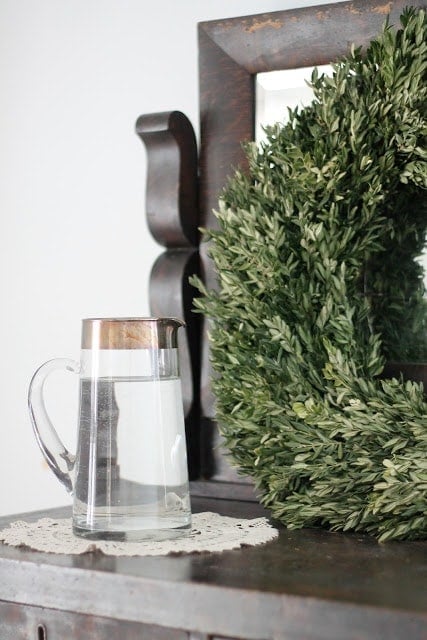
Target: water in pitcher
(132, 473)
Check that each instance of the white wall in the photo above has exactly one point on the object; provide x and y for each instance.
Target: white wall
(74, 76)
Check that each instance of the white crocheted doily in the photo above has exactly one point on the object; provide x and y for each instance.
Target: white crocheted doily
(210, 532)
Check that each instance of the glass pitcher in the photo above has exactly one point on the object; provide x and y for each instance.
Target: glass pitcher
(129, 478)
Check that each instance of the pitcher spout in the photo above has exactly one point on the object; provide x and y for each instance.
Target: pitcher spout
(169, 331)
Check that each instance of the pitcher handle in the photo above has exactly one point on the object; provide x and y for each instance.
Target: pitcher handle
(58, 458)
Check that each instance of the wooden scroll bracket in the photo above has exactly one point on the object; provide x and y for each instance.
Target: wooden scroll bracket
(173, 220)
(171, 197)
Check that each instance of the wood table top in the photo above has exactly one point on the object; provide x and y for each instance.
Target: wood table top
(305, 584)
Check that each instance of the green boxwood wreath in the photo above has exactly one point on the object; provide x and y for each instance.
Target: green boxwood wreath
(318, 285)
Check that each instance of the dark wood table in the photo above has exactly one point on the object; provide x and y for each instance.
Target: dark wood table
(305, 585)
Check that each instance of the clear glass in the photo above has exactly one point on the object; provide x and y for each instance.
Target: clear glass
(129, 478)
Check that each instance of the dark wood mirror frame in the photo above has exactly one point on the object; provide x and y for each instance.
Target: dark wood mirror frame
(231, 53)
(181, 195)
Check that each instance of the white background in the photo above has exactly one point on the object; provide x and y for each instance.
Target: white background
(74, 77)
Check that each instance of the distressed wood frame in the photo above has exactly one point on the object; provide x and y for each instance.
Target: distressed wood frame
(231, 53)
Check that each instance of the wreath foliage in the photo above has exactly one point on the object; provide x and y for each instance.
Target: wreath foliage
(318, 285)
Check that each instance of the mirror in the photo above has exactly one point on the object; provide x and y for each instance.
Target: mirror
(276, 91)
(231, 54)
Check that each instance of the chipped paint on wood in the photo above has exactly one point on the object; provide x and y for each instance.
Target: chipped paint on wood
(383, 9)
(264, 24)
(354, 10)
(321, 15)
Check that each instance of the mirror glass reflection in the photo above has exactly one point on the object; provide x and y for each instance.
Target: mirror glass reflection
(275, 91)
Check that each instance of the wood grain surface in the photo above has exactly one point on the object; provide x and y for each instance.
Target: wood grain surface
(306, 584)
